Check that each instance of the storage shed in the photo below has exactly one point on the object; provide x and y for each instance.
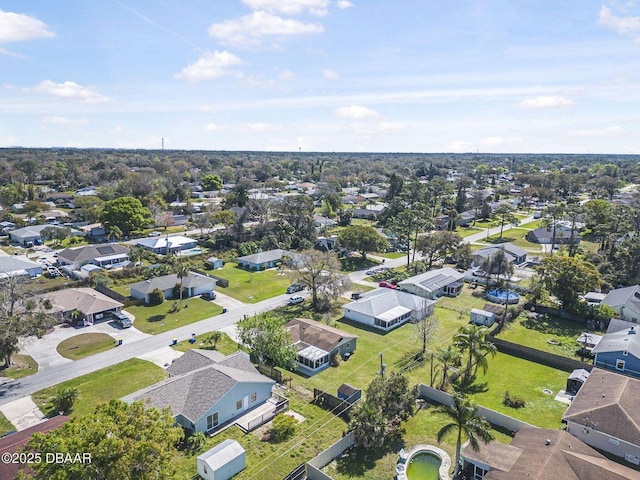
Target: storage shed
(576, 380)
(222, 462)
(213, 262)
(349, 393)
(482, 317)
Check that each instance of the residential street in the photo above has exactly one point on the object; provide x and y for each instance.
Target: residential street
(143, 345)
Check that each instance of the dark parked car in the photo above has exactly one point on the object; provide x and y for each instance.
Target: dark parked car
(295, 287)
(208, 296)
(122, 320)
(356, 295)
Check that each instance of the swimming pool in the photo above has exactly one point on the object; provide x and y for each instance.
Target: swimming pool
(192, 251)
(423, 462)
(503, 296)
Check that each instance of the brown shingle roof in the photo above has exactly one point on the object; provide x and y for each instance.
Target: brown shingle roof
(87, 300)
(317, 334)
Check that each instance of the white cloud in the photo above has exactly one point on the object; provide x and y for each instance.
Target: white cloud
(500, 141)
(330, 74)
(8, 141)
(356, 112)
(210, 65)
(246, 32)
(628, 26)
(344, 4)
(546, 102)
(212, 127)
(17, 27)
(290, 7)
(286, 75)
(604, 132)
(460, 146)
(55, 120)
(69, 90)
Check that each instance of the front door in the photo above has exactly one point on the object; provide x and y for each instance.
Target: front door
(245, 403)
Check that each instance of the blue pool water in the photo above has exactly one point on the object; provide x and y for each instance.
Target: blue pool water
(503, 296)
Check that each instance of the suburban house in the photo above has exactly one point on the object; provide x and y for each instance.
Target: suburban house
(105, 256)
(19, 265)
(514, 254)
(371, 212)
(263, 260)
(434, 283)
(541, 454)
(316, 343)
(94, 231)
(207, 390)
(619, 349)
(91, 305)
(545, 235)
(605, 414)
(625, 301)
(28, 236)
(386, 309)
(163, 245)
(193, 284)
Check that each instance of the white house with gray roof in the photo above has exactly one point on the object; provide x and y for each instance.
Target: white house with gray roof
(193, 284)
(434, 283)
(29, 236)
(19, 265)
(264, 260)
(514, 254)
(161, 245)
(386, 309)
(101, 255)
(209, 396)
(625, 301)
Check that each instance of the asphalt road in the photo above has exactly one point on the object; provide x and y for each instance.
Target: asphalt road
(19, 388)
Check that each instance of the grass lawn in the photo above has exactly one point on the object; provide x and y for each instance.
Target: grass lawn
(103, 385)
(546, 333)
(532, 225)
(225, 345)
(527, 380)
(266, 460)
(23, 365)
(466, 231)
(515, 236)
(252, 287)
(159, 318)
(391, 254)
(85, 344)
(5, 425)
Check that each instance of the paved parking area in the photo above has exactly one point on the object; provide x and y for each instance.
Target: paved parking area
(163, 357)
(22, 413)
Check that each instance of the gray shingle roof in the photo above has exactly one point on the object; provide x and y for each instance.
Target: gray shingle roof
(265, 257)
(624, 296)
(193, 360)
(90, 252)
(169, 281)
(16, 263)
(193, 393)
(434, 280)
(620, 341)
(376, 302)
(508, 247)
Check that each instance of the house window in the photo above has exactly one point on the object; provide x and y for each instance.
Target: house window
(212, 420)
(254, 397)
(478, 472)
(620, 365)
(239, 405)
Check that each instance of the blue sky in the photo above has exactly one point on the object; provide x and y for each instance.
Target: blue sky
(536, 76)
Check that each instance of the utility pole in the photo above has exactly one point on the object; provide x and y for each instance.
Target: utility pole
(382, 366)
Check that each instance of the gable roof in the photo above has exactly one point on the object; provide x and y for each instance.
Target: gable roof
(627, 340)
(175, 241)
(316, 334)
(169, 281)
(91, 252)
(192, 360)
(381, 300)
(30, 231)
(87, 300)
(15, 263)
(628, 296)
(509, 248)
(265, 257)
(434, 280)
(193, 393)
(541, 454)
(608, 401)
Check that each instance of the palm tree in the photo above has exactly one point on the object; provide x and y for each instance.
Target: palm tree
(465, 419)
(449, 360)
(182, 271)
(471, 339)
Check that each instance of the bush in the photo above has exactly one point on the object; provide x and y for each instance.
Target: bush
(156, 297)
(335, 360)
(284, 427)
(513, 401)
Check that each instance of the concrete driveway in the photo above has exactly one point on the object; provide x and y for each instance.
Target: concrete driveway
(22, 413)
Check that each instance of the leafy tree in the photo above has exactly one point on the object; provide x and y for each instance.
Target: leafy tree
(550, 218)
(297, 211)
(377, 420)
(362, 238)
(156, 297)
(320, 273)
(64, 399)
(283, 427)
(89, 207)
(505, 215)
(567, 278)
(465, 420)
(10, 194)
(21, 316)
(471, 341)
(437, 246)
(126, 442)
(266, 337)
(126, 213)
(344, 218)
(196, 441)
(210, 182)
(395, 186)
